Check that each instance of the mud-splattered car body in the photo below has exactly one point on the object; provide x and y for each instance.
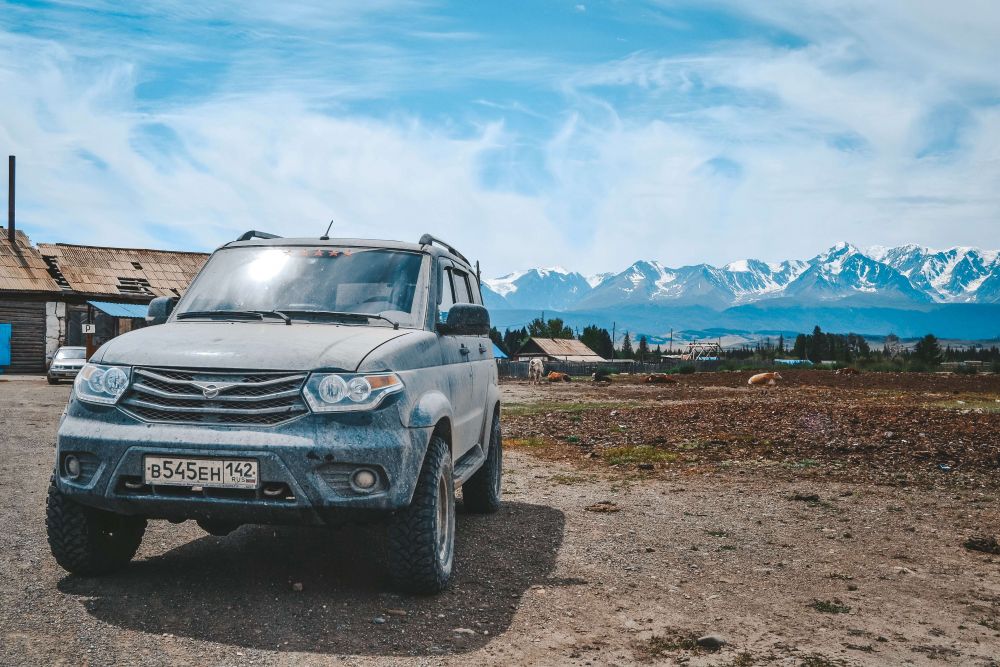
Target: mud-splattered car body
(306, 459)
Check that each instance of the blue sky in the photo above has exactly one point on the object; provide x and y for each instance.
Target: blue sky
(586, 134)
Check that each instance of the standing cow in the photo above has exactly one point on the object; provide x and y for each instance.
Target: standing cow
(536, 369)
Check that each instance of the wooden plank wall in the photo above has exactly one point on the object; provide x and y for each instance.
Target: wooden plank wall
(27, 320)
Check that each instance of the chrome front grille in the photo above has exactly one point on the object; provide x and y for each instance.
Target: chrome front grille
(197, 397)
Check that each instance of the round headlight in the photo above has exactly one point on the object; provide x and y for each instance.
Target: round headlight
(115, 381)
(96, 381)
(332, 389)
(359, 390)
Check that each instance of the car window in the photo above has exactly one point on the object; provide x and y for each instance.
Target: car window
(460, 279)
(447, 293)
(71, 353)
(306, 279)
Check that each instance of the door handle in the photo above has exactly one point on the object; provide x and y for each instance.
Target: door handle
(463, 350)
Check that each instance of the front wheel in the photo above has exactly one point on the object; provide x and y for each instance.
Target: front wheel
(90, 541)
(481, 493)
(422, 536)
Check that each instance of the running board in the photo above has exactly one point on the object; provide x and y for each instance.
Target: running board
(468, 465)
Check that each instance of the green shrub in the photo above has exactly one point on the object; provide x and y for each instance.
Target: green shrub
(686, 370)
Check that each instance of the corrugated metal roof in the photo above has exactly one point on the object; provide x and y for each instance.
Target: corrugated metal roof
(131, 272)
(121, 309)
(22, 268)
(566, 347)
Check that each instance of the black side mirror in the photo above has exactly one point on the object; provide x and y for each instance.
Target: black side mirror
(160, 309)
(466, 319)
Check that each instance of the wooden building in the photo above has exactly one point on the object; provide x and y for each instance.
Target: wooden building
(48, 292)
(557, 349)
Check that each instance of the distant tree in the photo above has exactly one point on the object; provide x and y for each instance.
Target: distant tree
(642, 351)
(928, 350)
(598, 340)
(497, 339)
(627, 352)
(513, 339)
(657, 353)
(781, 344)
(554, 328)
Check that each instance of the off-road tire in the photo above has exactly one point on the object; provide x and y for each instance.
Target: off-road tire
(414, 559)
(88, 541)
(481, 493)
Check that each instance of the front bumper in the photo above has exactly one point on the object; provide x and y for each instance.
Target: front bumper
(63, 373)
(313, 456)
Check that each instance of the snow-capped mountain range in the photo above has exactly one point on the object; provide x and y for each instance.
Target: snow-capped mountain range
(909, 275)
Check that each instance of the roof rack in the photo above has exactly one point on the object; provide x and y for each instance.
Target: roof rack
(427, 239)
(254, 234)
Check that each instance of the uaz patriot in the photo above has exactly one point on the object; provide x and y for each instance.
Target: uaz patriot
(297, 381)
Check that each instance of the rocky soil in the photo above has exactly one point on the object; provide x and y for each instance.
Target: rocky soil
(778, 528)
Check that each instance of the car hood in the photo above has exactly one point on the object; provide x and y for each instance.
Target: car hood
(247, 345)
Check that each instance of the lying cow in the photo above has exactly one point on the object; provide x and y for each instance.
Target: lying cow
(555, 376)
(847, 371)
(764, 379)
(660, 378)
(601, 376)
(536, 369)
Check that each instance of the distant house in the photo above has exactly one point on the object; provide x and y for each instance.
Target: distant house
(49, 291)
(557, 349)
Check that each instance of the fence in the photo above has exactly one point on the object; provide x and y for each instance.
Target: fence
(515, 370)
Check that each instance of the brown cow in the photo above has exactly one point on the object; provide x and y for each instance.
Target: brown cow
(660, 378)
(764, 379)
(555, 376)
(847, 371)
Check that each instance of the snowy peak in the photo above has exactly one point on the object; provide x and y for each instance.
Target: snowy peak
(908, 274)
(549, 288)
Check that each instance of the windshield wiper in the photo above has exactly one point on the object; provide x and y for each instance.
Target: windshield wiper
(334, 314)
(235, 314)
(274, 313)
(239, 314)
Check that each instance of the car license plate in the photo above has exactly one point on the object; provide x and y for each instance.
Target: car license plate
(217, 473)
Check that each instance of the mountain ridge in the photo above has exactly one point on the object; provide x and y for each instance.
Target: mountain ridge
(901, 277)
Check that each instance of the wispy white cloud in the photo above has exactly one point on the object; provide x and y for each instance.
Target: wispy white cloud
(879, 124)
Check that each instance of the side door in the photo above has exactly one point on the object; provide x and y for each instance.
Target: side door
(484, 367)
(456, 356)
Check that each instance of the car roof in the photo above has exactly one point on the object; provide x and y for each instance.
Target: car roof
(427, 249)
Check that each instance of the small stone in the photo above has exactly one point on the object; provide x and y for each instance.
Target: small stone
(711, 642)
(396, 612)
(463, 631)
(378, 620)
(297, 587)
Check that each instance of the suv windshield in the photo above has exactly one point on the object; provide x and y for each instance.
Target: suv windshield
(299, 281)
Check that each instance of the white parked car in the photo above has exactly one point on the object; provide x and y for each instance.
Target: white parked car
(66, 363)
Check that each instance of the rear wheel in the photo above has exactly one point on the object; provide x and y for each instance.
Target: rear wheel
(481, 493)
(90, 541)
(422, 536)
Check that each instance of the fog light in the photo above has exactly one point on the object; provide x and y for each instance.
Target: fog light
(72, 466)
(364, 480)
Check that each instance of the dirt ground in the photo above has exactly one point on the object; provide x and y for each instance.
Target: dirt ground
(637, 518)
